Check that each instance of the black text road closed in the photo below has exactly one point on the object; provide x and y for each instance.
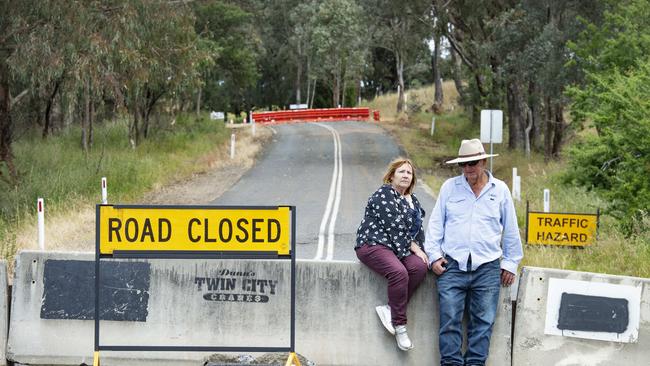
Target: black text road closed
(561, 228)
(165, 228)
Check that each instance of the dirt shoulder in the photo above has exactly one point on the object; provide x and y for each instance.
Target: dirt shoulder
(208, 185)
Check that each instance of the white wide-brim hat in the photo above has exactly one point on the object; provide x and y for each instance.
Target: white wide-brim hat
(470, 150)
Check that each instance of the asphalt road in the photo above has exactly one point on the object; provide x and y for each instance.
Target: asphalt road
(326, 170)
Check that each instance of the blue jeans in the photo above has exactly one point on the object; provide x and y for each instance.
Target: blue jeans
(479, 291)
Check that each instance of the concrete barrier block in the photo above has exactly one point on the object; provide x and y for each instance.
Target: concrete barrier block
(216, 303)
(531, 346)
(338, 324)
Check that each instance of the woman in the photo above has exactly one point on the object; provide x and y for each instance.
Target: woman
(389, 241)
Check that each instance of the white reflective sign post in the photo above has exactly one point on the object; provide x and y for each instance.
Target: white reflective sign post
(491, 128)
(104, 191)
(518, 188)
(547, 200)
(40, 209)
(232, 146)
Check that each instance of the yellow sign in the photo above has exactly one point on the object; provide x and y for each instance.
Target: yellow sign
(561, 229)
(151, 228)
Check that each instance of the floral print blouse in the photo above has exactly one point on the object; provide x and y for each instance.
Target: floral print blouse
(389, 220)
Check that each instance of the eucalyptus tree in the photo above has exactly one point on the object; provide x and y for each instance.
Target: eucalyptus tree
(302, 20)
(341, 50)
(278, 56)
(31, 55)
(534, 41)
(155, 52)
(236, 47)
(516, 52)
(402, 27)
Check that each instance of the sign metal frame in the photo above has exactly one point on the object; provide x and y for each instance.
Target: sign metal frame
(181, 254)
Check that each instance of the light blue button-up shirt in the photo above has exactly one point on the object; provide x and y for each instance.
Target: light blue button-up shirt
(462, 224)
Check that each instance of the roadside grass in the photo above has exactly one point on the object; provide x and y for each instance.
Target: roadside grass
(58, 170)
(613, 253)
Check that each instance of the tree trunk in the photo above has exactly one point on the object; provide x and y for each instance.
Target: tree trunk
(91, 121)
(435, 68)
(529, 127)
(85, 121)
(313, 93)
(358, 92)
(134, 129)
(457, 74)
(535, 109)
(198, 102)
(146, 108)
(336, 90)
(516, 114)
(6, 126)
(558, 137)
(309, 79)
(48, 109)
(298, 83)
(401, 101)
(548, 129)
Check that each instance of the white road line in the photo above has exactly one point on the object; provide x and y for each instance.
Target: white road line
(337, 200)
(334, 198)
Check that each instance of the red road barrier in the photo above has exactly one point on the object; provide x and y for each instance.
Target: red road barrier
(309, 115)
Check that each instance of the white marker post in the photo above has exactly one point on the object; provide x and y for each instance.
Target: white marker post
(518, 188)
(232, 146)
(104, 191)
(547, 200)
(433, 124)
(253, 127)
(514, 178)
(40, 207)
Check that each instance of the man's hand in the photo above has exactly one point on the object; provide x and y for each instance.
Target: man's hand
(439, 266)
(507, 278)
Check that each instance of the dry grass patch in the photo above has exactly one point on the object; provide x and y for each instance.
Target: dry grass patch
(73, 228)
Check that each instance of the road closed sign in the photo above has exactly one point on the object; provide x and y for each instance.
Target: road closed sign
(193, 229)
(564, 229)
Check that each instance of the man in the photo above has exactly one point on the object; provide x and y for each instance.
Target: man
(473, 245)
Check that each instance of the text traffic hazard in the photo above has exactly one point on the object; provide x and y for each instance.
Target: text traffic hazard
(561, 229)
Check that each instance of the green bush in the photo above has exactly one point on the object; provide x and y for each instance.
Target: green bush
(616, 161)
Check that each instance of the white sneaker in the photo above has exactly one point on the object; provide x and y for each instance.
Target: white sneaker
(403, 341)
(384, 315)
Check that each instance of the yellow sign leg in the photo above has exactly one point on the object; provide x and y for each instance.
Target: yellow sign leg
(293, 360)
(96, 359)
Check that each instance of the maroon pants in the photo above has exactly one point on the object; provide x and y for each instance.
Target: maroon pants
(404, 276)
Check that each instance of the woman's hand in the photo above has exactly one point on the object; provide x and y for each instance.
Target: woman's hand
(415, 248)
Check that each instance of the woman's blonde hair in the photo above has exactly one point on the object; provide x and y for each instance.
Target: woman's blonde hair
(392, 167)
